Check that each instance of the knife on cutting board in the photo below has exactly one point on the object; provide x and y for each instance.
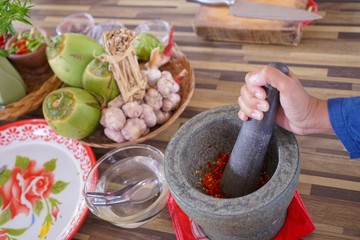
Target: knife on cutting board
(250, 9)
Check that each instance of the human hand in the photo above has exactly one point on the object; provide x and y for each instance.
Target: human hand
(299, 112)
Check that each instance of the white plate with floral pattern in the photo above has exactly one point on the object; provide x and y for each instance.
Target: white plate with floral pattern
(42, 184)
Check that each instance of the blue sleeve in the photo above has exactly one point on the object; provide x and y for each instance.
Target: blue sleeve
(344, 116)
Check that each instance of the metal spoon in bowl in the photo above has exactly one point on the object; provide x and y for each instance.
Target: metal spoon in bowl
(136, 192)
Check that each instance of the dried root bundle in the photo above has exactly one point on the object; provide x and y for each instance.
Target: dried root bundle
(124, 64)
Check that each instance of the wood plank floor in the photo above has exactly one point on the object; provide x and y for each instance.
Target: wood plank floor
(327, 61)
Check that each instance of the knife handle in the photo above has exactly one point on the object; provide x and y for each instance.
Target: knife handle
(214, 2)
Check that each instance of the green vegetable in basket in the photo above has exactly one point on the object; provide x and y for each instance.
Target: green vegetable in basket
(69, 54)
(99, 80)
(144, 43)
(72, 112)
(12, 86)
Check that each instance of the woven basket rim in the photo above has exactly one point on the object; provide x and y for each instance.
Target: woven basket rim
(31, 101)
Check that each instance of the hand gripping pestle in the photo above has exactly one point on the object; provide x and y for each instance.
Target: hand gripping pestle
(242, 172)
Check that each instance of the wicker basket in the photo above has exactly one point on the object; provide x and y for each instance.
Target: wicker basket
(39, 83)
(177, 63)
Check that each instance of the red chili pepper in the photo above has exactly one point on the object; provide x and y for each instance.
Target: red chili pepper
(2, 40)
(169, 46)
(181, 76)
(218, 168)
(20, 42)
(22, 50)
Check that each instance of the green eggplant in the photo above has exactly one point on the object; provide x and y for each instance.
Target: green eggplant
(69, 54)
(72, 112)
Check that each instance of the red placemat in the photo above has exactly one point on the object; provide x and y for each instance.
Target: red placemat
(297, 224)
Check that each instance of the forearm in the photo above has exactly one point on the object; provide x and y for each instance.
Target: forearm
(320, 122)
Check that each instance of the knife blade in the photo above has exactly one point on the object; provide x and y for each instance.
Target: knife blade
(259, 10)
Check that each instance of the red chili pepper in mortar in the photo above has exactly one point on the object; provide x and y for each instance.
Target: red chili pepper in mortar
(211, 180)
(215, 170)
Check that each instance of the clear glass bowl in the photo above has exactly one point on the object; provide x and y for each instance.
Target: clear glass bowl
(104, 27)
(158, 27)
(121, 167)
(76, 23)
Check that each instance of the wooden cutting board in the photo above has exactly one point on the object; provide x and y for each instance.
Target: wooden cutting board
(215, 23)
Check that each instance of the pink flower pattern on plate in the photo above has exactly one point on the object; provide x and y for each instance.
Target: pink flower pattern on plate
(29, 184)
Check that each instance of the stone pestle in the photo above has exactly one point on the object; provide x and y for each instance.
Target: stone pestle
(243, 170)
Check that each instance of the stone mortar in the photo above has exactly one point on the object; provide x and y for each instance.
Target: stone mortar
(259, 215)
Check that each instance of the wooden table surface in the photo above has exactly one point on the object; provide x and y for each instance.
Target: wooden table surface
(327, 61)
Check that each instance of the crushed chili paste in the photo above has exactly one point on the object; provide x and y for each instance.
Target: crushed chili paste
(212, 177)
(213, 173)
